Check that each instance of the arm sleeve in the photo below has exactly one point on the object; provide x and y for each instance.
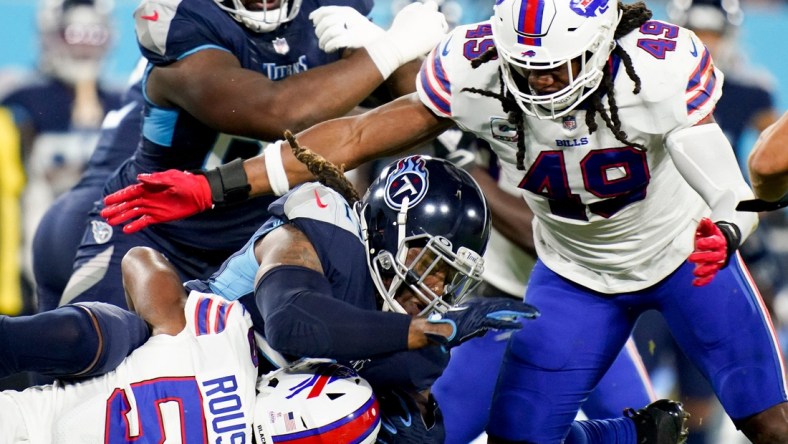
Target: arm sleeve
(302, 318)
(705, 159)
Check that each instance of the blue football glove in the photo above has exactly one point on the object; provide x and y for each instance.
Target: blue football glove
(402, 421)
(474, 317)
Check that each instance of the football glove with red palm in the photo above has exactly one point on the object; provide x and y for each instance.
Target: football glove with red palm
(715, 244)
(158, 197)
(172, 195)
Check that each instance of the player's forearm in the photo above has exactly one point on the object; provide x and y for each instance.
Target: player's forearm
(768, 162)
(351, 141)
(510, 214)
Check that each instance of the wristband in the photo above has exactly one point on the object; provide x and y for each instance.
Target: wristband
(228, 182)
(732, 236)
(277, 177)
(384, 55)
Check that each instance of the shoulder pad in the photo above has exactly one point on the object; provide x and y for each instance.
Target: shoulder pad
(448, 69)
(152, 20)
(318, 202)
(679, 83)
(209, 314)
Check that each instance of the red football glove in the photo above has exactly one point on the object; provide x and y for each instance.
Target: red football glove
(715, 243)
(158, 197)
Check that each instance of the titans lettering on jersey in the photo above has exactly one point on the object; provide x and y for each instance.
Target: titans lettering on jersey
(573, 177)
(170, 30)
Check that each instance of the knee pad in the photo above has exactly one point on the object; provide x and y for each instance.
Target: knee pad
(119, 333)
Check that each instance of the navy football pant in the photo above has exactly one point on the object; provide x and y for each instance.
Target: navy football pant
(553, 363)
(56, 240)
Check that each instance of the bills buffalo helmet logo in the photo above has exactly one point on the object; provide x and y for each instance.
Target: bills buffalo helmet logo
(590, 8)
(409, 180)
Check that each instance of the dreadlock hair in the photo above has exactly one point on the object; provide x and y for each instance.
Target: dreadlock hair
(632, 17)
(326, 172)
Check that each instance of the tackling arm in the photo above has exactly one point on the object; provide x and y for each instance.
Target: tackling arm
(768, 162)
(351, 141)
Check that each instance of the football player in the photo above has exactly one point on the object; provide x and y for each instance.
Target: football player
(222, 77)
(315, 273)
(194, 380)
(603, 117)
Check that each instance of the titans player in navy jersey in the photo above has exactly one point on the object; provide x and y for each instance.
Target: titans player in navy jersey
(63, 225)
(222, 77)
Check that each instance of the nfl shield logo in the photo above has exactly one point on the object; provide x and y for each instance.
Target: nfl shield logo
(281, 46)
(569, 123)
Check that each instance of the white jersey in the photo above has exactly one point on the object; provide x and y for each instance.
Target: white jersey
(197, 386)
(609, 217)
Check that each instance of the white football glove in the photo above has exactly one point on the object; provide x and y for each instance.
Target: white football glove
(343, 27)
(416, 29)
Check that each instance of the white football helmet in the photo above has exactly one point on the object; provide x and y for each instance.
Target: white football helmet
(265, 20)
(546, 34)
(316, 401)
(75, 37)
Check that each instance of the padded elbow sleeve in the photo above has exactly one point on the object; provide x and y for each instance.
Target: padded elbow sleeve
(705, 159)
(302, 318)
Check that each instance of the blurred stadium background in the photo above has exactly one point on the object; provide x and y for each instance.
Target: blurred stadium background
(761, 35)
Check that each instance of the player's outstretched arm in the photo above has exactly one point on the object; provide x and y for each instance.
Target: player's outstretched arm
(768, 162)
(350, 141)
(476, 316)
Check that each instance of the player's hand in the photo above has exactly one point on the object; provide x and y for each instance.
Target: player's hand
(478, 315)
(402, 421)
(343, 27)
(715, 243)
(415, 30)
(158, 197)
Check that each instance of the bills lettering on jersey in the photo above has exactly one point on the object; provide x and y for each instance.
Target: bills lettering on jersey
(572, 142)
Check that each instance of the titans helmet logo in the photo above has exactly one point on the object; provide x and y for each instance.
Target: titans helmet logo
(589, 8)
(410, 180)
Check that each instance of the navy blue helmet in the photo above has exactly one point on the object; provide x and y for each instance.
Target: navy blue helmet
(427, 203)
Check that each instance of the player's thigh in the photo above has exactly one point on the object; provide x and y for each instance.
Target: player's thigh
(56, 241)
(553, 363)
(96, 274)
(725, 330)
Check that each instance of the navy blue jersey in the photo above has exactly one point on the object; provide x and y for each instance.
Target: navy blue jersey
(172, 138)
(333, 229)
(63, 225)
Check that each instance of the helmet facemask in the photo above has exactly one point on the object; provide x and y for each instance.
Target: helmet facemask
(563, 35)
(265, 20)
(419, 262)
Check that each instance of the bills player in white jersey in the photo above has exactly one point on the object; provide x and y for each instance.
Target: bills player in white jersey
(603, 117)
(194, 378)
